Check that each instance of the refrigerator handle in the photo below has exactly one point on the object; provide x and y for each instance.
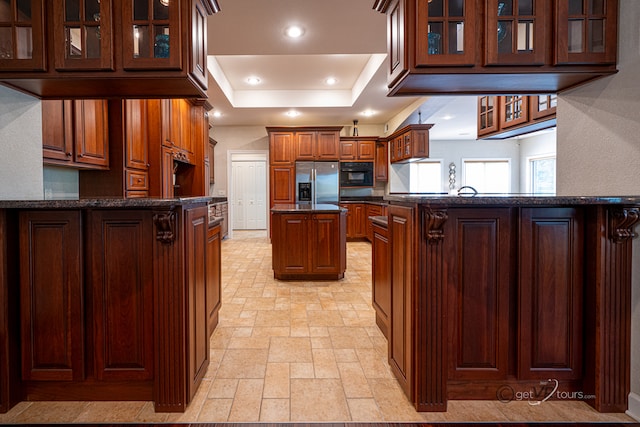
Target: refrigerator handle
(313, 186)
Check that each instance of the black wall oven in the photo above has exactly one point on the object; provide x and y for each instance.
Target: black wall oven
(356, 174)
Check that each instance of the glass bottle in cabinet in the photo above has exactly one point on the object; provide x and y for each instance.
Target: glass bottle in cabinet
(445, 32)
(83, 35)
(586, 31)
(151, 34)
(22, 35)
(515, 32)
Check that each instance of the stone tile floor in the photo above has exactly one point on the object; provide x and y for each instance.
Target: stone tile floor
(298, 352)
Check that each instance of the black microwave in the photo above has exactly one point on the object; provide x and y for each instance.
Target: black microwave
(356, 174)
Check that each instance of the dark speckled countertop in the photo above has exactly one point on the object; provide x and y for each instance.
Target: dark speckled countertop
(307, 208)
(509, 200)
(102, 203)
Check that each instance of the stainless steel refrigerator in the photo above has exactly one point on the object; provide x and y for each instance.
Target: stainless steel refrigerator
(317, 182)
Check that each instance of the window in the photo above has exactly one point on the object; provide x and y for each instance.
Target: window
(542, 175)
(426, 177)
(487, 176)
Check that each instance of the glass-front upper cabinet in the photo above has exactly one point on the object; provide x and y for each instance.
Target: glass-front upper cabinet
(22, 35)
(515, 32)
(514, 110)
(151, 34)
(82, 35)
(587, 31)
(542, 106)
(487, 115)
(446, 31)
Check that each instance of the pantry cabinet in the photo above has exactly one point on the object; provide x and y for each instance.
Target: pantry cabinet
(105, 48)
(497, 46)
(75, 133)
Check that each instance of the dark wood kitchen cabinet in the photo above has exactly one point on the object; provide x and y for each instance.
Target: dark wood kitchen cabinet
(317, 144)
(356, 220)
(508, 116)
(382, 161)
(51, 296)
(214, 275)
(106, 48)
(356, 148)
(75, 133)
(381, 276)
(409, 143)
(308, 244)
(113, 300)
(497, 47)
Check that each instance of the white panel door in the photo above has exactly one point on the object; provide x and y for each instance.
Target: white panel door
(249, 193)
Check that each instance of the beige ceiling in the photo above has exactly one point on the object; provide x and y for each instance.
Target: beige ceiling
(344, 39)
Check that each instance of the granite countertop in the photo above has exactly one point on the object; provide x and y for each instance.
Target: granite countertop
(105, 203)
(376, 200)
(509, 200)
(303, 208)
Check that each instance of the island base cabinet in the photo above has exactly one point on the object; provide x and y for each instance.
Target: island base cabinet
(309, 245)
(381, 277)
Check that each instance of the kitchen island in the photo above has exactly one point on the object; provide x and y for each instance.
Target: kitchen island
(107, 299)
(504, 296)
(309, 241)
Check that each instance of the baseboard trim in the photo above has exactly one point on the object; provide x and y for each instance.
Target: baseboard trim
(634, 406)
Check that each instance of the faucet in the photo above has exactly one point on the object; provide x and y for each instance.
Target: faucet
(467, 187)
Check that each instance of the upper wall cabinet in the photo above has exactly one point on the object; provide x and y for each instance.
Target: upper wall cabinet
(498, 46)
(105, 48)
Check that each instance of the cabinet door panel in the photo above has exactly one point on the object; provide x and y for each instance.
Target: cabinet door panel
(57, 130)
(402, 261)
(348, 150)
(325, 235)
(123, 317)
(51, 296)
(517, 32)
(366, 150)
(382, 162)
(91, 126)
(381, 277)
(550, 297)
(136, 134)
(83, 35)
(199, 40)
(196, 222)
(214, 276)
(293, 239)
(305, 145)
(479, 335)
(282, 185)
(327, 145)
(446, 33)
(281, 148)
(22, 32)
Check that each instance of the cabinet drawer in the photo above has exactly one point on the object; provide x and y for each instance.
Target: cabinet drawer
(136, 180)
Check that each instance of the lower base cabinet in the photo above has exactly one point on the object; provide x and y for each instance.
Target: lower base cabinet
(381, 275)
(115, 303)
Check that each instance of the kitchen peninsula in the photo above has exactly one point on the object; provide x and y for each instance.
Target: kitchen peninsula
(107, 299)
(491, 296)
(309, 241)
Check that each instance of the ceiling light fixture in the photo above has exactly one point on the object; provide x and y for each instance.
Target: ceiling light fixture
(292, 113)
(294, 31)
(368, 113)
(331, 81)
(217, 114)
(253, 81)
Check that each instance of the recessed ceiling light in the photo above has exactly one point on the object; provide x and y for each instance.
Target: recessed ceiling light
(217, 114)
(331, 81)
(253, 81)
(294, 31)
(368, 113)
(292, 113)
(447, 117)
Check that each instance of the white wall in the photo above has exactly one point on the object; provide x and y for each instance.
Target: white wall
(540, 144)
(599, 149)
(21, 145)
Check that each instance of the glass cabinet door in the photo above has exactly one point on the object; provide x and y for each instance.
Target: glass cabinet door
(515, 32)
(22, 35)
(514, 110)
(542, 106)
(83, 35)
(487, 114)
(446, 32)
(586, 31)
(151, 34)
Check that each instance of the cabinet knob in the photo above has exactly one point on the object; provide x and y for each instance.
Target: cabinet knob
(80, 155)
(68, 154)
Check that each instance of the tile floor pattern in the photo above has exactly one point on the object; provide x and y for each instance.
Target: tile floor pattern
(298, 351)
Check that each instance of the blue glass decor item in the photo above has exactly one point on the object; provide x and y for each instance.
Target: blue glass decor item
(161, 46)
(434, 44)
(502, 28)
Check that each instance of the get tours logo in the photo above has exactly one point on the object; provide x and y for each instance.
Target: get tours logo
(544, 391)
